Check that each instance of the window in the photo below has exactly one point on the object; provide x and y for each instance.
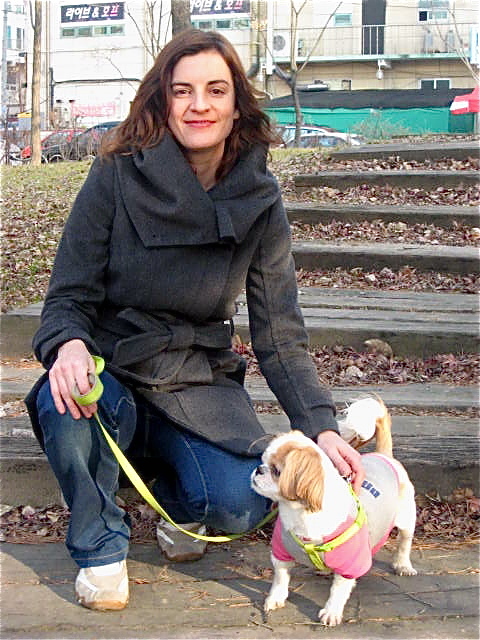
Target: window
(217, 25)
(241, 23)
(430, 84)
(96, 31)
(346, 85)
(433, 10)
(343, 20)
(20, 39)
(205, 25)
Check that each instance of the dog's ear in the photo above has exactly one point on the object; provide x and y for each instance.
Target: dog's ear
(301, 478)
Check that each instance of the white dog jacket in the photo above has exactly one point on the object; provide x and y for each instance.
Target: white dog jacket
(353, 558)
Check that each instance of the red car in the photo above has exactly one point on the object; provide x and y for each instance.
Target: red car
(55, 146)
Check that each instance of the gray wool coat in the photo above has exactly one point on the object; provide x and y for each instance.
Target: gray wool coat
(147, 274)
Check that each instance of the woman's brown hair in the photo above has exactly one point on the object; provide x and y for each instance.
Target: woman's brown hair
(146, 123)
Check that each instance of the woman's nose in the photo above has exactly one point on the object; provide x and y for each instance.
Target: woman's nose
(199, 102)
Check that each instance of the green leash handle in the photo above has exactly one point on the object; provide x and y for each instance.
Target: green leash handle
(94, 395)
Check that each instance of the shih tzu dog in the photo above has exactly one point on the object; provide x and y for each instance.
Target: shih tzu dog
(321, 521)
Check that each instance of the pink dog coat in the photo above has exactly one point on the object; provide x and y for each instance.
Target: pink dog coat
(353, 558)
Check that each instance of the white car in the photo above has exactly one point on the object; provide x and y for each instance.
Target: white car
(9, 153)
(317, 136)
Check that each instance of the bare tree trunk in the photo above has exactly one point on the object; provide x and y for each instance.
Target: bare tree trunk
(36, 74)
(180, 15)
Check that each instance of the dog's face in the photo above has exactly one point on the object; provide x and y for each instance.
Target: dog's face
(292, 471)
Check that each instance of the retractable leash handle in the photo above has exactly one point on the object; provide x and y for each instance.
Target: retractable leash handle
(95, 393)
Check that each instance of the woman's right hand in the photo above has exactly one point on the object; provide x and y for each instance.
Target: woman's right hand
(72, 366)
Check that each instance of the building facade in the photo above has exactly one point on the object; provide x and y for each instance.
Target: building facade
(95, 54)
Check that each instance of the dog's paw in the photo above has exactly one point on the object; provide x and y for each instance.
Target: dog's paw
(273, 602)
(404, 569)
(330, 617)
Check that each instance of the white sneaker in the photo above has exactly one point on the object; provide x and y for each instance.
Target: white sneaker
(178, 546)
(104, 587)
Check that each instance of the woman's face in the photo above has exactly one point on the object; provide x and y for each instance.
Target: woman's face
(202, 104)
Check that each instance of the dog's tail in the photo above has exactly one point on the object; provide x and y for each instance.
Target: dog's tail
(365, 419)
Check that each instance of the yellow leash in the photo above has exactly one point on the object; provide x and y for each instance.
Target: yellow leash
(94, 395)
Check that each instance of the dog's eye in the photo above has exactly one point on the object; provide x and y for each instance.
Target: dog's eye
(275, 471)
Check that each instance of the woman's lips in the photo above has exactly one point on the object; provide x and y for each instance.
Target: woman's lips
(200, 124)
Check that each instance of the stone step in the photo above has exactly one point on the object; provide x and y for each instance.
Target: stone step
(439, 452)
(415, 178)
(414, 397)
(444, 259)
(414, 324)
(439, 449)
(417, 397)
(457, 150)
(440, 216)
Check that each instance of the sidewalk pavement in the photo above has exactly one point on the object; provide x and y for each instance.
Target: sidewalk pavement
(221, 596)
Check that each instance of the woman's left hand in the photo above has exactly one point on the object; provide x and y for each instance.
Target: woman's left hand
(345, 458)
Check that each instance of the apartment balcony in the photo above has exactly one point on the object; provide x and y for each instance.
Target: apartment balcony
(440, 40)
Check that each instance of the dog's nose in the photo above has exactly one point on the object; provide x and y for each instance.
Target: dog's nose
(261, 470)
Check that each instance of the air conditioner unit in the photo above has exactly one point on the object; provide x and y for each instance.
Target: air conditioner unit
(281, 43)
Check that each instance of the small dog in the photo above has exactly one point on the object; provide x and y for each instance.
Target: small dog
(322, 521)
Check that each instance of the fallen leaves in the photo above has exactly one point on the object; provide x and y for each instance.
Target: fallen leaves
(379, 231)
(341, 365)
(406, 278)
(453, 518)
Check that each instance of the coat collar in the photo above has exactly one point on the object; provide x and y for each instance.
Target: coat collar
(168, 206)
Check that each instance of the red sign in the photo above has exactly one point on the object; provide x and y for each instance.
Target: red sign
(93, 110)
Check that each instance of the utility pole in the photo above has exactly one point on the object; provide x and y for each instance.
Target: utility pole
(4, 61)
(36, 76)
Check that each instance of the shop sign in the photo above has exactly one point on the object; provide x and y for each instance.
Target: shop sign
(209, 7)
(92, 12)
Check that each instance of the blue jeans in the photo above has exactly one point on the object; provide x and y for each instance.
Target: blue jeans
(196, 480)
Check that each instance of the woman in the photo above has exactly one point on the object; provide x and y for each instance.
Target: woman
(176, 218)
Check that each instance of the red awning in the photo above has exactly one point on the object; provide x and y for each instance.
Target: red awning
(467, 103)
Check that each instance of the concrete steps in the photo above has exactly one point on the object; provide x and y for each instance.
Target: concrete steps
(441, 216)
(439, 450)
(375, 256)
(415, 324)
(457, 150)
(409, 179)
(434, 434)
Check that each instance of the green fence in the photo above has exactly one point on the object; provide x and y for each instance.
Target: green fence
(395, 121)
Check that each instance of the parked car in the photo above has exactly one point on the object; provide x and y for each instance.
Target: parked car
(56, 146)
(87, 143)
(325, 136)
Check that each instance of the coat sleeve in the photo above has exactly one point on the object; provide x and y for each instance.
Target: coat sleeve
(277, 328)
(77, 283)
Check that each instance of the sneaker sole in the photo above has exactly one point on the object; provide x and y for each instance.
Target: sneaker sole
(103, 605)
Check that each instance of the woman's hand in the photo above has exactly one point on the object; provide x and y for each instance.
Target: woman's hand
(72, 366)
(345, 458)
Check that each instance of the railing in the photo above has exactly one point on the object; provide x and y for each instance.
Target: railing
(384, 40)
